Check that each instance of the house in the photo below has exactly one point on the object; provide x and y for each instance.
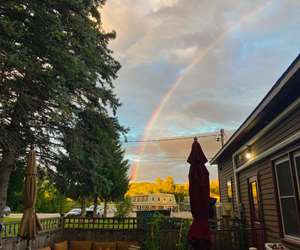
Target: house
(185, 204)
(259, 166)
(156, 201)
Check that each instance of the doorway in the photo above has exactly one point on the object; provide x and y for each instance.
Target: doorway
(257, 224)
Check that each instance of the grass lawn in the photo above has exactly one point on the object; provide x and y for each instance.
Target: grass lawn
(12, 224)
(11, 219)
(102, 224)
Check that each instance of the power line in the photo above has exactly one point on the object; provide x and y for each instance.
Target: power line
(171, 139)
(166, 160)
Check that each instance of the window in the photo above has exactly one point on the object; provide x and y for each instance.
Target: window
(229, 190)
(254, 199)
(297, 169)
(287, 197)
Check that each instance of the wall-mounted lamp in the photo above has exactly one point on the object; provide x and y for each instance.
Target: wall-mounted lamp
(248, 153)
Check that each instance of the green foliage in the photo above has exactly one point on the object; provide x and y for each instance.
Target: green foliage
(54, 62)
(15, 188)
(154, 236)
(116, 171)
(49, 199)
(123, 208)
(94, 165)
(54, 65)
(182, 240)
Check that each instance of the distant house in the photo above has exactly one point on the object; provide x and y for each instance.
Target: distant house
(185, 204)
(157, 201)
(259, 166)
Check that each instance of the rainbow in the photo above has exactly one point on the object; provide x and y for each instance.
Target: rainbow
(166, 97)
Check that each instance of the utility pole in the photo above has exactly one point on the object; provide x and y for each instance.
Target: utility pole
(221, 137)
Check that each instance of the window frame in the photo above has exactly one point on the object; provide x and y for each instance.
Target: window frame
(286, 158)
(229, 199)
(297, 174)
(251, 180)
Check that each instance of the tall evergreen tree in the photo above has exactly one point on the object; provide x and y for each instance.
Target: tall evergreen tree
(116, 172)
(54, 62)
(94, 162)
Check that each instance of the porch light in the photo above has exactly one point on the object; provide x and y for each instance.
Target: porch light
(249, 153)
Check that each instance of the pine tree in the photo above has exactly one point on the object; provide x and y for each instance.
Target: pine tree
(54, 62)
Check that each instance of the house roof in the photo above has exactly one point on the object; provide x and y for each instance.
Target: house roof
(284, 92)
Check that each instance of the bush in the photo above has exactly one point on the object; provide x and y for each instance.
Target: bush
(123, 208)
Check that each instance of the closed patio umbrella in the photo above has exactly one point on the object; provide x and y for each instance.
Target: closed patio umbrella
(199, 234)
(30, 224)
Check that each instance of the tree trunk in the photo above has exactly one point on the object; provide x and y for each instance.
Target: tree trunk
(105, 209)
(61, 203)
(83, 207)
(6, 166)
(95, 207)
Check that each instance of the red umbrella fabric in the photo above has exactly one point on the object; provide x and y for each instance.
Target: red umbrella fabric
(199, 233)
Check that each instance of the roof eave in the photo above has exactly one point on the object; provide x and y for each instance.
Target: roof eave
(281, 82)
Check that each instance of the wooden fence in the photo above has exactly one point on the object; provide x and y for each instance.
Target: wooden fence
(231, 235)
(101, 223)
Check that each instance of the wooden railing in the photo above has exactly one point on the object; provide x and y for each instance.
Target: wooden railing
(230, 234)
(51, 224)
(11, 229)
(101, 223)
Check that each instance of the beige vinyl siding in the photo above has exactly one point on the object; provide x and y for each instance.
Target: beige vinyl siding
(279, 133)
(224, 175)
(264, 173)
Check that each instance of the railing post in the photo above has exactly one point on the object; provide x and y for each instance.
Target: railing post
(242, 240)
(62, 222)
(1, 230)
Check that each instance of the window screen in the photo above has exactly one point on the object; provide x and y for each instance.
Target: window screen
(287, 199)
(284, 179)
(297, 165)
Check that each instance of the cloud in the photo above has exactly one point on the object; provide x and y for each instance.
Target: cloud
(158, 40)
(168, 158)
(159, 4)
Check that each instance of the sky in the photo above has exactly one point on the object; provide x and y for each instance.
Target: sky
(192, 67)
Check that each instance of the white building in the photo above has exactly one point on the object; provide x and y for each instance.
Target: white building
(157, 201)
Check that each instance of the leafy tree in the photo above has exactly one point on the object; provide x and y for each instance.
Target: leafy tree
(15, 188)
(158, 185)
(168, 185)
(49, 199)
(123, 208)
(54, 62)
